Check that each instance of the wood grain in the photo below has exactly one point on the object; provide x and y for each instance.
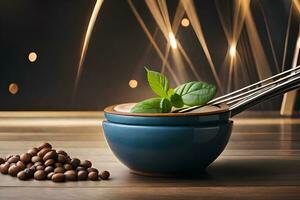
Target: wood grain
(260, 162)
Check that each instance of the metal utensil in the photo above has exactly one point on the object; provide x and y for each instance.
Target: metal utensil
(253, 94)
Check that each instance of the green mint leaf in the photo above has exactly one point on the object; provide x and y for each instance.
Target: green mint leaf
(176, 100)
(165, 105)
(170, 92)
(158, 82)
(153, 105)
(196, 93)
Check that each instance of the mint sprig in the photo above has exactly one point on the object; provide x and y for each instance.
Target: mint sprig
(194, 93)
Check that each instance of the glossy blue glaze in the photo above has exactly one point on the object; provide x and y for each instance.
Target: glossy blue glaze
(169, 120)
(167, 149)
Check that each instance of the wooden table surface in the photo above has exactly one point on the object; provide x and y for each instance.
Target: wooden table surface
(261, 161)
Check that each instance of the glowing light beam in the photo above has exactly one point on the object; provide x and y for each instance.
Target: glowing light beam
(172, 40)
(87, 37)
(296, 3)
(232, 50)
(192, 15)
(152, 41)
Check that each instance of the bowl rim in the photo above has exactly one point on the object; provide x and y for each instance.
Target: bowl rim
(222, 108)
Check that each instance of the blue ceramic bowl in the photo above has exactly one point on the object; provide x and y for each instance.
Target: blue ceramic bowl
(164, 149)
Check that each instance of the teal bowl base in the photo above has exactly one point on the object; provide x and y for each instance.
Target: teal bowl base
(167, 151)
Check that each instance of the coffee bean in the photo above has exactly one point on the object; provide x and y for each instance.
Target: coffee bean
(49, 176)
(92, 170)
(40, 167)
(45, 145)
(13, 170)
(82, 175)
(32, 169)
(8, 157)
(22, 175)
(50, 155)
(43, 152)
(58, 165)
(59, 170)
(86, 164)
(104, 175)
(93, 176)
(59, 177)
(75, 162)
(62, 152)
(33, 151)
(39, 175)
(71, 175)
(49, 169)
(68, 167)
(21, 165)
(49, 162)
(37, 164)
(13, 159)
(79, 168)
(61, 158)
(29, 165)
(25, 158)
(35, 159)
(4, 168)
(29, 173)
(68, 160)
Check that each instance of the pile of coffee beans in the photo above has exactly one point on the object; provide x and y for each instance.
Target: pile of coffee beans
(43, 163)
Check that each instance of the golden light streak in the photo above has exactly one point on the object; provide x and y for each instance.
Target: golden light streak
(192, 15)
(152, 41)
(177, 17)
(133, 83)
(160, 14)
(185, 22)
(175, 25)
(296, 4)
(172, 40)
(166, 55)
(32, 56)
(242, 9)
(260, 59)
(87, 37)
(298, 43)
(162, 4)
(225, 23)
(232, 29)
(287, 34)
(289, 98)
(157, 15)
(188, 60)
(269, 37)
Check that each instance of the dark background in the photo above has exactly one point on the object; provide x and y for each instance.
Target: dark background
(118, 51)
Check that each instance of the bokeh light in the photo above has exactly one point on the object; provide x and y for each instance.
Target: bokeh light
(13, 88)
(232, 50)
(185, 22)
(32, 56)
(133, 83)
